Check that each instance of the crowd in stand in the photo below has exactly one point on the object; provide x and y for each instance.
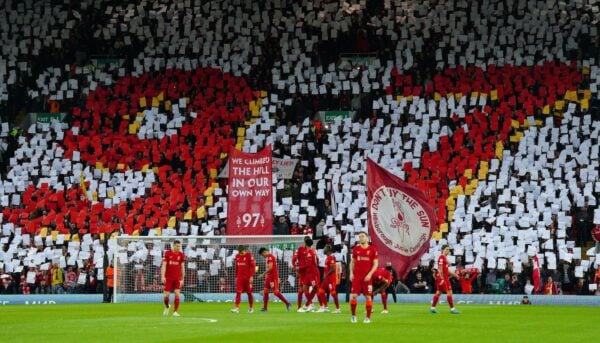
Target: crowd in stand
(52, 281)
(508, 156)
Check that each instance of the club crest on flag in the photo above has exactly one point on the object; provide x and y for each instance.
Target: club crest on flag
(399, 220)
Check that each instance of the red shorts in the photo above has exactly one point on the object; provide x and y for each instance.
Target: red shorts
(243, 285)
(360, 286)
(312, 279)
(447, 286)
(172, 284)
(329, 284)
(272, 283)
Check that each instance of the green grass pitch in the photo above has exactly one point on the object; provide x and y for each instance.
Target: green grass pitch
(213, 322)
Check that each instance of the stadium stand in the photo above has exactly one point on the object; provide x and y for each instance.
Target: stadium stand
(490, 108)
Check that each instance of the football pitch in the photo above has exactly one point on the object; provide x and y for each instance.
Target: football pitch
(213, 322)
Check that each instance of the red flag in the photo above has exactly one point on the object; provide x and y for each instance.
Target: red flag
(537, 280)
(401, 221)
(250, 193)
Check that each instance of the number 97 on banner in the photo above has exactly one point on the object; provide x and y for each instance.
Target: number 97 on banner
(250, 220)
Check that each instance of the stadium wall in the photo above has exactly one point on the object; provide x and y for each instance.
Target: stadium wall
(460, 299)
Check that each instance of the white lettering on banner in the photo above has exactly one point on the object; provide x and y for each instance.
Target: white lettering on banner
(251, 183)
(243, 193)
(250, 219)
(283, 168)
(262, 192)
(249, 171)
(47, 302)
(253, 161)
(464, 302)
(250, 193)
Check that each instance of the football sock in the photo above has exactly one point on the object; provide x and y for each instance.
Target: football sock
(322, 298)
(308, 298)
(335, 299)
(353, 306)
(281, 297)
(384, 300)
(369, 308)
(166, 299)
(436, 297)
(238, 298)
(313, 293)
(450, 300)
(250, 299)
(265, 299)
(300, 292)
(176, 303)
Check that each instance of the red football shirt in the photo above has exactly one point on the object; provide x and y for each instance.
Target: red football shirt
(299, 259)
(363, 259)
(272, 260)
(173, 261)
(311, 261)
(245, 266)
(443, 266)
(380, 275)
(329, 262)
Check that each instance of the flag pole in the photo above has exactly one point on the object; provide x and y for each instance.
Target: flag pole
(348, 257)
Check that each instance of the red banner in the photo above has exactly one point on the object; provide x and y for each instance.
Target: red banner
(250, 193)
(401, 221)
(537, 279)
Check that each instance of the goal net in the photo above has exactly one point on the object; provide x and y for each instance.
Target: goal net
(209, 267)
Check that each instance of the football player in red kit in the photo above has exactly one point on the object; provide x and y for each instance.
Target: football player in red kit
(382, 279)
(330, 282)
(245, 267)
(271, 279)
(172, 274)
(312, 275)
(442, 281)
(299, 264)
(362, 266)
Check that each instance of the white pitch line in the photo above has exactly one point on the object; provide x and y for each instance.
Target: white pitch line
(210, 320)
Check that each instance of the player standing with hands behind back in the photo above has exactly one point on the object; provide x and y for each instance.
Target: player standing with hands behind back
(362, 266)
(442, 281)
(172, 274)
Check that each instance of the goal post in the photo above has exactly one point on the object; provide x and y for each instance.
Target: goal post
(209, 267)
